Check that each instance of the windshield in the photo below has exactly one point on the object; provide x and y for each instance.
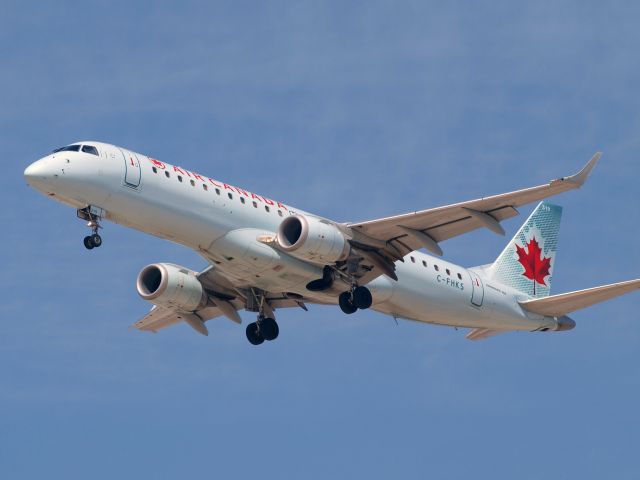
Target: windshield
(77, 148)
(70, 148)
(90, 149)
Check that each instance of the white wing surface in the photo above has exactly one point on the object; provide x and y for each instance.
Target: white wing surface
(398, 235)
(225, 299)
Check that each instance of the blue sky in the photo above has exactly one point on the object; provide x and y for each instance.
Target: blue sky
(353, 110)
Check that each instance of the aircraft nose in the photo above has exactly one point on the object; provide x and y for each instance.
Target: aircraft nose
(37, 173)
(33, 170)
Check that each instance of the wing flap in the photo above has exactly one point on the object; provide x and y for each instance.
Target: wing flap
(565, 303)
(160, 317)
(157, 319)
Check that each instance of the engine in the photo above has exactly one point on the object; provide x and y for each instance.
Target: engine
(171, 286)
(312, 239)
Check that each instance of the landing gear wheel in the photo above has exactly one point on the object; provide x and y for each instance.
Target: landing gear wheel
(344, 300)
(88, 243)
(362, 298)
(96, 240)
(253, 334)
(269, 328)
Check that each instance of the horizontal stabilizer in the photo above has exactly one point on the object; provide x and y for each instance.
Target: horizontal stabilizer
(482, 333)
(558, 305)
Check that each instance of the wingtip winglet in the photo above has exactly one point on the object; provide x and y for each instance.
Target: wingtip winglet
(581, 177)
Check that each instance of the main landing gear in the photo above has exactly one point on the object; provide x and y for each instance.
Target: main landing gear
(358, 297)
(93, 216)
(266, 327)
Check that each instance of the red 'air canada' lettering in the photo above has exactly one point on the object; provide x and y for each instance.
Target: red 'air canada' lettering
(241, 191)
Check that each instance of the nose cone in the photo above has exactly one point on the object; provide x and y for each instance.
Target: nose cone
(37, 174)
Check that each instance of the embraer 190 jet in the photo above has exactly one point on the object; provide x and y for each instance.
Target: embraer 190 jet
(264, 255)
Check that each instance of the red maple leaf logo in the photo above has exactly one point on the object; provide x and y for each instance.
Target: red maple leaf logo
(536, 266)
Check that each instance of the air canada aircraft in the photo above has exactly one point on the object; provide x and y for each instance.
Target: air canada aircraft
(264, 255)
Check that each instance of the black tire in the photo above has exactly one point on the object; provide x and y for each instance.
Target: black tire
(253, 334)
(344, 300)
(88, 243)
(269, 329)
(362, 298)
(96, 240)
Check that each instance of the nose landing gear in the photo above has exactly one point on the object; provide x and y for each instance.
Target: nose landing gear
(92, 215)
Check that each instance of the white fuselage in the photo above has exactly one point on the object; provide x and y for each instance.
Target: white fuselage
(223, 222)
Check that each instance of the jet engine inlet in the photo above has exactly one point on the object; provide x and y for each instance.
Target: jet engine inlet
(312, 239)
(171, 286)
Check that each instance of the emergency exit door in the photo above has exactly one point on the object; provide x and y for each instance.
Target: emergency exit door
(132, 169)
(477, 289)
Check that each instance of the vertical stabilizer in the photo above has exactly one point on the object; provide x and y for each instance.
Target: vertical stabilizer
(527, 263)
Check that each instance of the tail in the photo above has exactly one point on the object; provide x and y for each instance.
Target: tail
(527, 263)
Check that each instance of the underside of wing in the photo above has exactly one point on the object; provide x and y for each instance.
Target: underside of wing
(161, 317)
(402, 234)
(223, 298)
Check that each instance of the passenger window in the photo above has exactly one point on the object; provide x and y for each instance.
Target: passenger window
(230, 195)
(266, 207)
(167, 174)
(436, 267)
(155, 170)
(180, 178)
(204, 187)
(424, 263)
(255, 204)
(193, 183)
(242, 200)
(90, 149)
(460, 276)
(280, 212)
(413, 260)
(218, 191)
(448, 272)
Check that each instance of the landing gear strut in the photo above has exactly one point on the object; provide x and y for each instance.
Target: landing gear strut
(265, 328)
(358, 297)
(92, 215)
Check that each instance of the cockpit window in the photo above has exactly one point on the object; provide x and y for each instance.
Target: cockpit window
(69, 148)
(90, 149)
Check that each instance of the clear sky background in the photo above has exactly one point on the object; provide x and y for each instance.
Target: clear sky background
(352, 110)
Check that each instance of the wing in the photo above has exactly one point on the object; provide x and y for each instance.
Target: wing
(396, 236)
(160, 317)
(225, 299)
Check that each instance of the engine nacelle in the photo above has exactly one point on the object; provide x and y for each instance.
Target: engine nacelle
(312, 239)
(171, 286)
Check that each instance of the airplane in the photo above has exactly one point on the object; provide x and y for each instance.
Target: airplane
(265, 255)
